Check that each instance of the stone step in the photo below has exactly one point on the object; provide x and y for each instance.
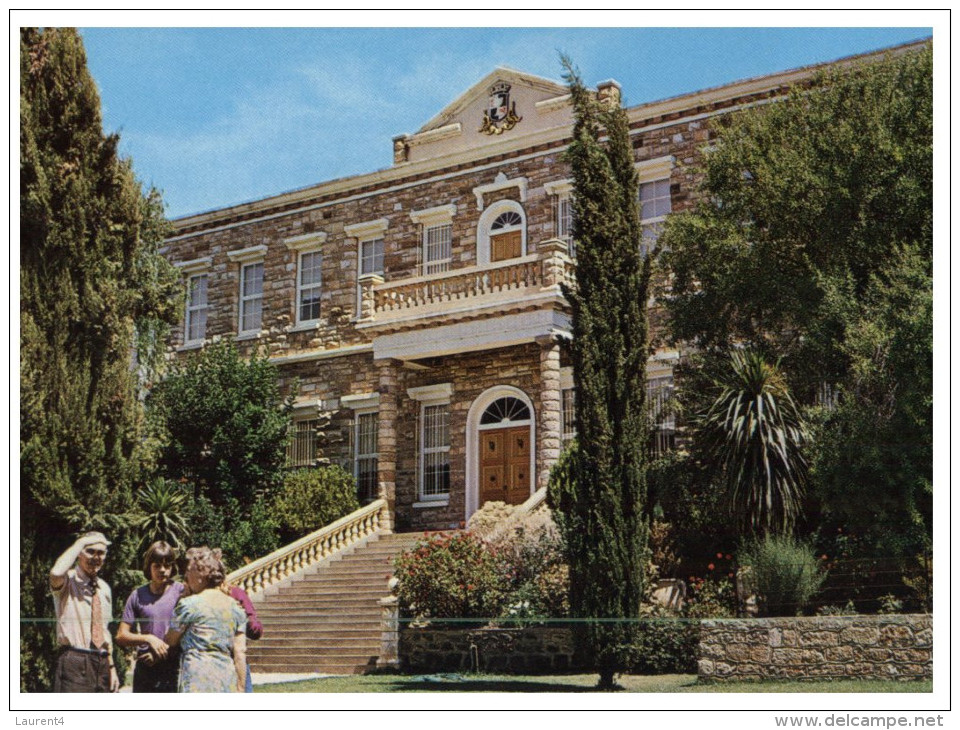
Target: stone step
(281, 610)
(313, 668)
(340, 647)
(304, 638)
(327, 599)
(319, 589)
(296, 625)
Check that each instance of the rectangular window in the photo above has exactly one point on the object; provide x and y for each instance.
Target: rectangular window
(568, 415)
(251, 297)
(195, 329)
(654, 208)
(435, 453)
(662, 420)
(563, 208)
(371, 256)
(302, 448)
(437, 242)
(366, 456)
(308, 287)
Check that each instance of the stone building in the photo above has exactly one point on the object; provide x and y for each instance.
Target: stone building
(420, 305)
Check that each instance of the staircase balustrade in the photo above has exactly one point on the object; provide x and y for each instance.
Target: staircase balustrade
(309, 550)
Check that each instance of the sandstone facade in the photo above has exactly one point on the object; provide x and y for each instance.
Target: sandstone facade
(397, 334)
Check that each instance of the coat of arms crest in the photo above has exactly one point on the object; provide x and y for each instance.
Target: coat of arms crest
(500, 114)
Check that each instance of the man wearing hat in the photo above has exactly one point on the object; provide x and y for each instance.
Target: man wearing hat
(83, 604)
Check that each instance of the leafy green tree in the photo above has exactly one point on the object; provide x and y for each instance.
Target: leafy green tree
(93, 291)
(754, 433)
(226, 424)
(812, 243)
(312, 498)
(600, 496)
(879, 436)
(815, 192)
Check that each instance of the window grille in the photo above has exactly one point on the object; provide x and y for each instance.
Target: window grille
(366, 456)
(437, 242)
(302, 448)
(436, 451)
(568, 415)
(662, 420)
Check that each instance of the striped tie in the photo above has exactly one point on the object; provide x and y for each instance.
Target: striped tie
(96, 617)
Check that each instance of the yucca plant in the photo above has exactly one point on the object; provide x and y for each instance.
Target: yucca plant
(754, 432)
(163, 514)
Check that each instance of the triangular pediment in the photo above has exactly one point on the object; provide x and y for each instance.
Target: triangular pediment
(505, 104)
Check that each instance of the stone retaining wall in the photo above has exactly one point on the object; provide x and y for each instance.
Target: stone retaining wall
(534, 650)
(848, 647)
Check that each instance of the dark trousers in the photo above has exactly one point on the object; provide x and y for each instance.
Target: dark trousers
(161, 677)
(81, 672)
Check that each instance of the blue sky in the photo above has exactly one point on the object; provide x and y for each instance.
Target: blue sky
(218, 116)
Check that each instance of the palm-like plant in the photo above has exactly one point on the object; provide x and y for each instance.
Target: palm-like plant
(162, 506)
(754, 432)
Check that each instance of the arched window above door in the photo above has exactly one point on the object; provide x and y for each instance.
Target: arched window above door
(501, 233)
(505, 411)
(509, 220)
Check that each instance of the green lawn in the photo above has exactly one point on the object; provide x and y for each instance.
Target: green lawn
(571, 683)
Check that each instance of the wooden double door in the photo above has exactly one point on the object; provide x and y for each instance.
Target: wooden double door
(505, 465)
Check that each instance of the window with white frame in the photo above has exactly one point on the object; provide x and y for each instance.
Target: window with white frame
(437, 245)
(654, 208)
(437, 223)
(251, 297)
(309, 289)
(195, 327)
(309, 286)
(660, 413)
(251, 288)
(365, 455)
(562, 192)
(435, 451)
(197, 282)
(371, 256)
(302, 446)
(654, 197)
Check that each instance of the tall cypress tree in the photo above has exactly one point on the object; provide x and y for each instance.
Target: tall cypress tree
(94, 294)
(601, 504)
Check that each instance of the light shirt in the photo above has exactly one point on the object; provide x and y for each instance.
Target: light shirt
(72, 604)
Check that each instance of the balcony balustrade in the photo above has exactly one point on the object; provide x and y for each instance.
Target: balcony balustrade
(503, 286)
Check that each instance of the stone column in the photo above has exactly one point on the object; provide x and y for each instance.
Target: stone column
(550, 426)
(388, 385)
(368, 300)
(553, 253)
(389, 633)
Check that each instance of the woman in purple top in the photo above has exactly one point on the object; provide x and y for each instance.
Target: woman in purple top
(254, 627)
(149, 610)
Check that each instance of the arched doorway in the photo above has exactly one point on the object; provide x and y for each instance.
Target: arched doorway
(500, 448)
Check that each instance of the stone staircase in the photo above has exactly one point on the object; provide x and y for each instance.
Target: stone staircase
(326, 619)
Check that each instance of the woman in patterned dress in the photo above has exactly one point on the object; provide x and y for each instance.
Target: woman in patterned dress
(209, 627)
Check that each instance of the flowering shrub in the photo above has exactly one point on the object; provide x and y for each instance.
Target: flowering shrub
(711, 598)
(539, 578)
(452, 575)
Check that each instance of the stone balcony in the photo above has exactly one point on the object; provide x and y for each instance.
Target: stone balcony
(478, 307)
